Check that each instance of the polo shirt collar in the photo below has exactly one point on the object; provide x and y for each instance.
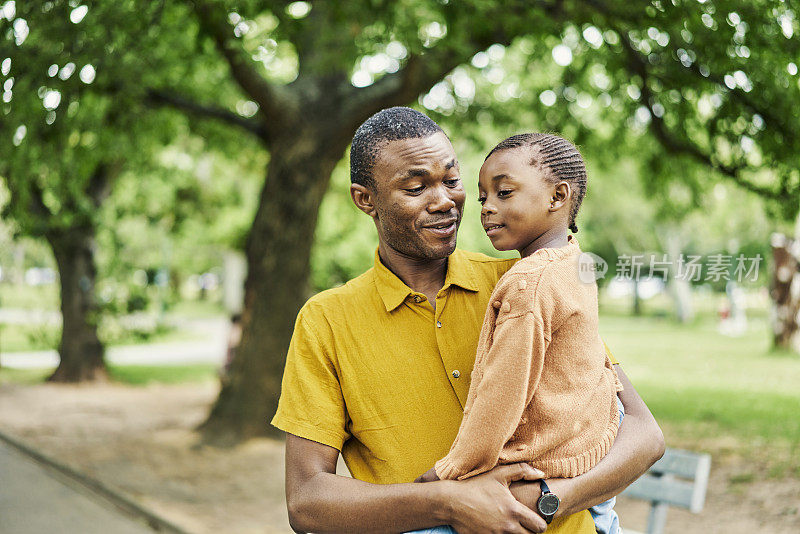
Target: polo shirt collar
(394, 291)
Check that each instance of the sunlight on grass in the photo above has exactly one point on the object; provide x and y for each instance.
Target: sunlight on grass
(166, 374)
(134, 375)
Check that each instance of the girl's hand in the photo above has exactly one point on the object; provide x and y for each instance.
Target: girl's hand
(428, 476)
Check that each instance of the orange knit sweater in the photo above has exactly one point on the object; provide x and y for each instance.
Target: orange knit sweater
(543, 390)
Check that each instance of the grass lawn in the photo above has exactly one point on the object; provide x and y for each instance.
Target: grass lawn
(22, 338)
(135, 375)
(712, 391)
(25, 297)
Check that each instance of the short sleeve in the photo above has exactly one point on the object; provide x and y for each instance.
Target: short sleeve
(311, 404)
(610, 355)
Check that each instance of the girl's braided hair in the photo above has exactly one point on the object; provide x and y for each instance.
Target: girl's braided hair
(560, 157)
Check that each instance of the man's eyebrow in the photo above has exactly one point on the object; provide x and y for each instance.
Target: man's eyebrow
(415, 173)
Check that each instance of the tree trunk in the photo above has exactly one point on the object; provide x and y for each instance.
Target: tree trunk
(680, 288)
(785, 292)
(637, 300)
(81, 352)
(278, 266)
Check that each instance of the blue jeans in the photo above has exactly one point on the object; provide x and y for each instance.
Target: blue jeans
(606, 520)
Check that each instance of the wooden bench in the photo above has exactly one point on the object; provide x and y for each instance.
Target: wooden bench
(680, 478)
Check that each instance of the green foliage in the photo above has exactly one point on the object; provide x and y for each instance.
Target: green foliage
(678, 87)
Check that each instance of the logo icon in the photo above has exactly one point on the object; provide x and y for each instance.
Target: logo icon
(591, 267)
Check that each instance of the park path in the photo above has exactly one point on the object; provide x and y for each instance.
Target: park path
(35, 499)
(209, 346)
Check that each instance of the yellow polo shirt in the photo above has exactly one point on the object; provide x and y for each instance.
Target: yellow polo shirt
(375, 372)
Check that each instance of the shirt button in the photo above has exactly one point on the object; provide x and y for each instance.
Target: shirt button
(456, 373)
(438, 324)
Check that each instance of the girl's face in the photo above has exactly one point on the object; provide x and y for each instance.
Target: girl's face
(516, 199)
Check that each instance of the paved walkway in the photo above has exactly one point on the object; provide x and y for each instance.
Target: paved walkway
(34, 499)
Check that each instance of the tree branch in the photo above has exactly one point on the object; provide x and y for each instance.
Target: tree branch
(159, 97)
(422, 71)
(213, 23)
(401, 87)
(674, 144)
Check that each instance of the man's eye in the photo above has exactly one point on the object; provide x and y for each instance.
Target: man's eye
(415, 190)
(452, 182)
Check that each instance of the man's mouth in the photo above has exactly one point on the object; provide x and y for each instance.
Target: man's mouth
(492, 228)
(442, 229)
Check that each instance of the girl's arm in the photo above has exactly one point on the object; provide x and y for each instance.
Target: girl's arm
(509, 373)
(638, 446)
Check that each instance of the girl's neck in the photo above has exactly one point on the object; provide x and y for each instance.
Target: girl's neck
(556, 237)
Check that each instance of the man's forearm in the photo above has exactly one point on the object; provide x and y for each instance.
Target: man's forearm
(333, 503)
(639, 444)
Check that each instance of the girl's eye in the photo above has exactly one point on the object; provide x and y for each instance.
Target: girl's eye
(481, 200)
(503, 193)
(415, 190)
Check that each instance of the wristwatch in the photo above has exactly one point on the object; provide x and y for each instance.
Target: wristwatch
(548, 503)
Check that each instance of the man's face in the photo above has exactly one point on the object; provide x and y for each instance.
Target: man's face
(419, 198)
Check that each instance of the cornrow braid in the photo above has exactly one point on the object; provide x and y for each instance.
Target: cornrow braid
(560, 157)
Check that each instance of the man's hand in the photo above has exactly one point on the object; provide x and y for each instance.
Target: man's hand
(428, 476)
(484, 503)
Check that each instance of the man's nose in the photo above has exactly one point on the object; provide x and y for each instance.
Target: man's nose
(442, 200)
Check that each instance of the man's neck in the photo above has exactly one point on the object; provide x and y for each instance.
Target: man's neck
(421, 275)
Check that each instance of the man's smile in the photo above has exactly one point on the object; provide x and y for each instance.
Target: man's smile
(442, 228)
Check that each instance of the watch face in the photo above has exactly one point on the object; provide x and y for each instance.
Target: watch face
(548, 504)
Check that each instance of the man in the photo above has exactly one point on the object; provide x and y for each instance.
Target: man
(379, 368)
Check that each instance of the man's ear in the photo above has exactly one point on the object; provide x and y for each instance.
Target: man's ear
(562, 193)
(364, 199)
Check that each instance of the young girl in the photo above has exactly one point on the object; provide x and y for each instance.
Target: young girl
(543, 390)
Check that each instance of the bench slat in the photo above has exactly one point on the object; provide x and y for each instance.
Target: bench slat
(659, 489)
(683, 464)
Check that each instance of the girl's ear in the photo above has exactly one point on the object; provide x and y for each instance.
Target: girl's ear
(562, 193)
(364, 199)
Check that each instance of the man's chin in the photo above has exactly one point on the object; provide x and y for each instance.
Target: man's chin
(442, 250)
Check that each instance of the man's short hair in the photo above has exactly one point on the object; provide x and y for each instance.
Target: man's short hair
(392, 124)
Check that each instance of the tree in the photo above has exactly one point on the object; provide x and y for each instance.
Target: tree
(70, 124)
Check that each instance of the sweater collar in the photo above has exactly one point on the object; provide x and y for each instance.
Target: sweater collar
(556, 253)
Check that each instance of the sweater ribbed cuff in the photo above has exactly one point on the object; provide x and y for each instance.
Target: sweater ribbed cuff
(446, 469)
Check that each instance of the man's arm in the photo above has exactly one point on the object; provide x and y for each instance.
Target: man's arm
(638, 446)
(318, 500)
